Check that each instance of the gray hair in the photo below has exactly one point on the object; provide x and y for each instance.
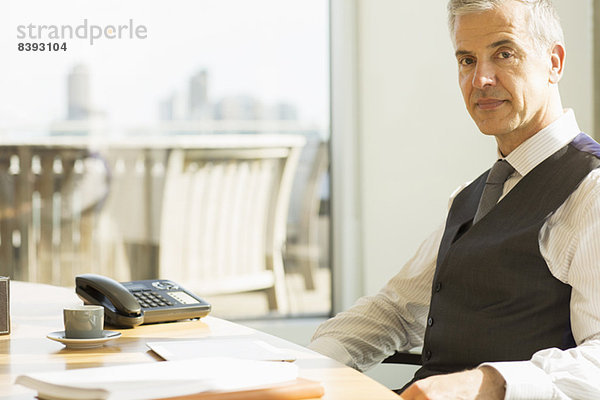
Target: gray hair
(544, 23)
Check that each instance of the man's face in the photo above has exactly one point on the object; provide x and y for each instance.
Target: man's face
(504, 78)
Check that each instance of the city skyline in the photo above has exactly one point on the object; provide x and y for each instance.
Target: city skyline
(193, 104)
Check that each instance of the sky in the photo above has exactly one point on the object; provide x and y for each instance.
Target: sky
(274, 50)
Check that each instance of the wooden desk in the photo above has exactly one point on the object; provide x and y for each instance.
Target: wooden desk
(36, 310)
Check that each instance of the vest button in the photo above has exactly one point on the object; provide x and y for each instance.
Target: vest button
(438, 286)
(430, 321)
(428, 355)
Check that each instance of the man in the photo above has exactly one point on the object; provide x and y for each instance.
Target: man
(505, 299)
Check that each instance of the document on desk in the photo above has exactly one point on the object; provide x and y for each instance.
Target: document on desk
(242, 348)
(206, 378)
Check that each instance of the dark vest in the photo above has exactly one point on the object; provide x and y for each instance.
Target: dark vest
(493, 297)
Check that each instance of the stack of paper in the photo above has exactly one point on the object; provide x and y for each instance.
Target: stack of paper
(161, 379)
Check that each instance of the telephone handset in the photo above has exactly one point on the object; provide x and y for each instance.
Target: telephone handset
(129, 304)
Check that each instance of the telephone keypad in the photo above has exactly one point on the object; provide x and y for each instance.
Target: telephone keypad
(149, 299)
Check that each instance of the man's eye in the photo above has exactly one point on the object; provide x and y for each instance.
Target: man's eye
(466, 61)
(505, 54)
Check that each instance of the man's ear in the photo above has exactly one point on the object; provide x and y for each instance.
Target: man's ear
(557, 62)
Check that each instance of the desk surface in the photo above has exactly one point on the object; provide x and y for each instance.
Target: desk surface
(36, 310)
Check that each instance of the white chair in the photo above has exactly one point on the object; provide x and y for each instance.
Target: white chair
(51, 202)
(224, 213)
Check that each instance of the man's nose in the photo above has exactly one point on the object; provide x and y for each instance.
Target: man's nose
(484, 75)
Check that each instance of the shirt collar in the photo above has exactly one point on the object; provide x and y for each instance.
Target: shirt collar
(543, 144)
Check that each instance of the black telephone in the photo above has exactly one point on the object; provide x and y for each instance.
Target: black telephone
(129, 304)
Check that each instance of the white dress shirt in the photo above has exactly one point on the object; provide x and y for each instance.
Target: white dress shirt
(394, 319)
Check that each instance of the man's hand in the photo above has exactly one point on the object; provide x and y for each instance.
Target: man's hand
(480, 383)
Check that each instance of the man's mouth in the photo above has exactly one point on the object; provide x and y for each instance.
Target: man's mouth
(489, 104)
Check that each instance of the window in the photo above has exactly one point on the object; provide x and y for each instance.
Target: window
(100, 97)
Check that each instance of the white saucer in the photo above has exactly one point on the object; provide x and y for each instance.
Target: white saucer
(83, 343)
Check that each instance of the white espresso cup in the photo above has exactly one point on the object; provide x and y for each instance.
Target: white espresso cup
(84, 322)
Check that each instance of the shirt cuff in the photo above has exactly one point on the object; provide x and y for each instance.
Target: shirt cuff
(333, 349)
(524, 381)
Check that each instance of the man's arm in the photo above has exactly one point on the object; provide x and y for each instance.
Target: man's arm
(394, 319)
(551, 374)
(555, 374)
(376, 326)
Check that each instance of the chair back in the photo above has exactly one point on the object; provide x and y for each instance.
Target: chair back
(224, 213)
(51, 200)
